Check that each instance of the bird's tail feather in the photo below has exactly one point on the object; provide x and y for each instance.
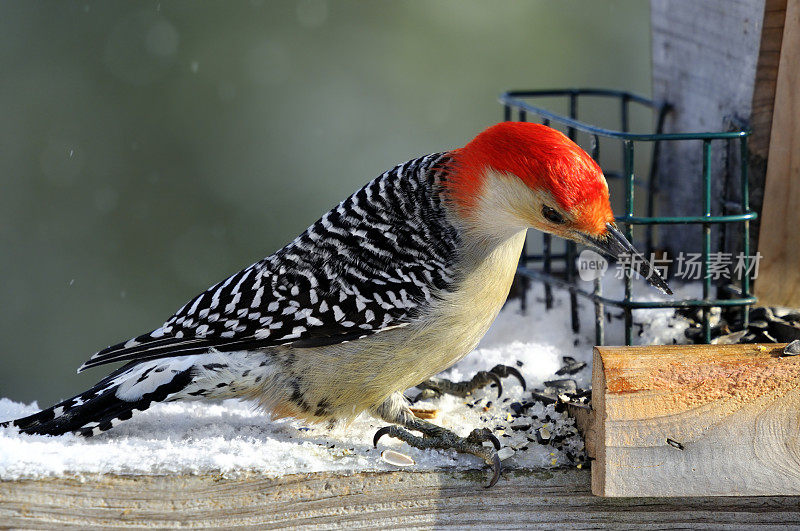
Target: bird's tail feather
(132, 387)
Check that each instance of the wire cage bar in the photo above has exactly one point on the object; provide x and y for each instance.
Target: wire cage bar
(540, 267)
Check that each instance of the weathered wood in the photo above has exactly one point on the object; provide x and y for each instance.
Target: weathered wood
(544, 499)
(733, 408)
(769, 53)
(731, 413)
(779, 277)
(715, 61)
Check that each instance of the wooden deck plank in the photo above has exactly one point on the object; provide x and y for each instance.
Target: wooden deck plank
(447, 499)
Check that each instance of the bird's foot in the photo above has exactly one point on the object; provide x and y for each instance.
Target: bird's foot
(434, 436)
(436, 387)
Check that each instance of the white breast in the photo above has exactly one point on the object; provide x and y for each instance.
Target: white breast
(460, 319)
(358, 375)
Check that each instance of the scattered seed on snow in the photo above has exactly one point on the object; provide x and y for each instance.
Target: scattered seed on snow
(563, 384)
(396, 458)
(543, 436)
(505, 453)
(544, 398)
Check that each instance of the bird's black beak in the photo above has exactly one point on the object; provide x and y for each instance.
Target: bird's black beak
(615, 245)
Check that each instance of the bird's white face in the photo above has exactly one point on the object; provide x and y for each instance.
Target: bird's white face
(506, 205)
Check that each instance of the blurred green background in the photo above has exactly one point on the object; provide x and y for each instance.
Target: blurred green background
(150, 149)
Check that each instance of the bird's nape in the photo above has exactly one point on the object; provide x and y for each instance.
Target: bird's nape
(615, 245)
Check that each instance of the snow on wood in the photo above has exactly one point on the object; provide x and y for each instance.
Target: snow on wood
(233, 438)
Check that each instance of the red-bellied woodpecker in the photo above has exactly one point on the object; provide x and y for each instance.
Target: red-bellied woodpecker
(392, 286)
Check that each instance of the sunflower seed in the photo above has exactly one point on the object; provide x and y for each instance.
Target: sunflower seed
(396, 458)
(505, 453)
(675, 444)
(792, 349)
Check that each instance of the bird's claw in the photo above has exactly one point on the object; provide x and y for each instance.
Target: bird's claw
(496, 379)
(496, 469)
(483, 435)
(380, 433)
(438, 437)
(504, 371)
(435, 387)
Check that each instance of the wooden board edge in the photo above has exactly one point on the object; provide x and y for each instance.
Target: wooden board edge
(598, 435)
(779, 280)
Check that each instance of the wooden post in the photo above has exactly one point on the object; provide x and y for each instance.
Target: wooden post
(696, 420)
(715, 62)
(779, 278)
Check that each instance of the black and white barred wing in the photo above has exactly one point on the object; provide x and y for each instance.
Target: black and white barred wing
(368, 265)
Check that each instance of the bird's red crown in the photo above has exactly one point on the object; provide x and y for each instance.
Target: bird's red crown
(544, 159)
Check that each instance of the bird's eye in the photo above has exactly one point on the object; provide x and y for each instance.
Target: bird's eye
(552, 215)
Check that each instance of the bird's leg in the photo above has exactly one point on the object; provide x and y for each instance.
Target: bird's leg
(395, 410)
(435, 387)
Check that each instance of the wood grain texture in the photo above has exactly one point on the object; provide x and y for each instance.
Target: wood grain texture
(734, 410)
(705, 62)
(522, 499)
(779, 276)
(766, 77)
